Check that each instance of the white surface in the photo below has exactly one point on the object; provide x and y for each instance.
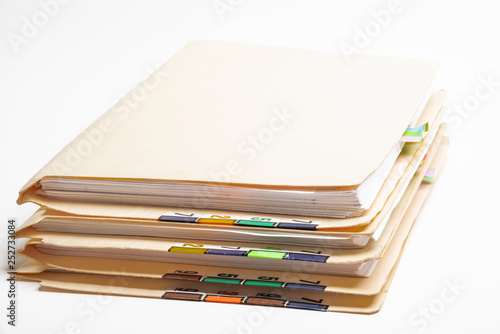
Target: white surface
(91, 53)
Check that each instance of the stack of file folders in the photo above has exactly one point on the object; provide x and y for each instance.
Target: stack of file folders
(247, 175)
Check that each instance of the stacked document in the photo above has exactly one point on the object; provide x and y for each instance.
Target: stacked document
(247, 175)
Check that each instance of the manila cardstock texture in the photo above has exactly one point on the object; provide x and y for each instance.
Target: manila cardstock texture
(239, 88)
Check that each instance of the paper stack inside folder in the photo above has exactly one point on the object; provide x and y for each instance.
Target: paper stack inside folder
(246, 175)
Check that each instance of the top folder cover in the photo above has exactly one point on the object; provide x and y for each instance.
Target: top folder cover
(251, 128)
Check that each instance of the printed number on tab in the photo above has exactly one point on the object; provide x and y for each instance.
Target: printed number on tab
(221, 217)
(185, 214)
(227, 275)
(309, 251)
(302, 221)
(189, 272)
(261, 219)
(267, 278)
(303, 280)
(268, 295)
(319, 301)
(186, 289)
(192, 245)
(230, 293)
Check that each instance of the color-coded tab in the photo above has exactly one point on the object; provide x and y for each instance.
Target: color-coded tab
(182, 276)
(222, 280)
(307, 306)
(255, 223)
(178, 219)
(412, 133)
(183, 295)
(266, 254)
(412, 136)
(189, 250)
(430, 174)
(423, 128)
(216, 221)
(265, 301)
(297, 226)
(263, 283)
(307, 257)
(229, 252)
(305, 286)
(223, 299)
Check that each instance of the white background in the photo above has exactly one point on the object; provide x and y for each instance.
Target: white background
(90, 53)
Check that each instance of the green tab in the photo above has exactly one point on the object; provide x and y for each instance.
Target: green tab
(266, 255)
(263, 283)
(222, 280)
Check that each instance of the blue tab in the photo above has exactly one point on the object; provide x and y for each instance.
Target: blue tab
(305, 286)
(297, 226)
(307, 257)
(178, 219)
(225, 252)
(307, 306)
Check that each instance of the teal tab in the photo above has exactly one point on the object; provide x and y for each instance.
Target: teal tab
(255, 223)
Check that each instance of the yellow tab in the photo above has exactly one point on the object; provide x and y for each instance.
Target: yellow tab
(216, 221)
(190, 250)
